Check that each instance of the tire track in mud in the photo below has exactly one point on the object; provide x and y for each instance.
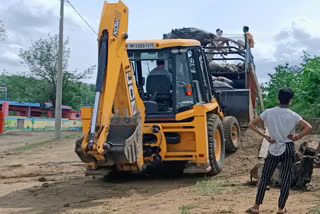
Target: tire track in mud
(66, 190)
(47, 169)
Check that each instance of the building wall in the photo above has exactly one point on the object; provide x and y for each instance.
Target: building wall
(74, 115)
(23, 109)
(41, 123)
(1, 122)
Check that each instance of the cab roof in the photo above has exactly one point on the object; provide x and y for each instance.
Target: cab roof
(161, 43)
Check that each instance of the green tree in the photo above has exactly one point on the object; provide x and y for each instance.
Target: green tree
(30, 89)
(23, 89)
(285, 76)
(308, 92)
(78, 94)
(305, 82)
(42, 58)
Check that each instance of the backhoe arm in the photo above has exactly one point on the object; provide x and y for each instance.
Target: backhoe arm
(115, 134)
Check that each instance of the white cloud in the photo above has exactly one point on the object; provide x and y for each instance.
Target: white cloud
(263, 50)
(26, 21)
(288, 46)
(292, 41)
(9, 58)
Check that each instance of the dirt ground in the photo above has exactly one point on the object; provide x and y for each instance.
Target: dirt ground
(40, 175)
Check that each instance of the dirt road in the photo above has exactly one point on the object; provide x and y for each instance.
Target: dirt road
(45, 176)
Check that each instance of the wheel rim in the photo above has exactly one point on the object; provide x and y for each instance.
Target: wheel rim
(234, 134)
(217, 152)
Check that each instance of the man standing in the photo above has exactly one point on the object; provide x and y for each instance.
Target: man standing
(219, 33)
(249, 36)
(281, 123)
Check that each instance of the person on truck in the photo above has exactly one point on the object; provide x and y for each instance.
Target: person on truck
(281, 123)
(219, 33)
(249, 37)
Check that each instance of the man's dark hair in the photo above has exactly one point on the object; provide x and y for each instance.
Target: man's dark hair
(285, 95)
(245, 29)
(160, 62)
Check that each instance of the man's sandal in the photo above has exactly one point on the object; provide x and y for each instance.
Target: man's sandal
(284, 211)
(251, 211)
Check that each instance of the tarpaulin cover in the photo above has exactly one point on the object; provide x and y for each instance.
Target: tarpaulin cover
(191, 33)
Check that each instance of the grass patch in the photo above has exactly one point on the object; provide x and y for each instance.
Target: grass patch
(65, 136)
(210, 187)
(185, 208)
(29, 146)
(314, 210)
(71, 135)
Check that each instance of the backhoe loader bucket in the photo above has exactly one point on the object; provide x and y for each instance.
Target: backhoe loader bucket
(236, 103)
(124, 139)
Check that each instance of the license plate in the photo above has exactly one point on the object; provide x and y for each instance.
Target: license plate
(140, 46)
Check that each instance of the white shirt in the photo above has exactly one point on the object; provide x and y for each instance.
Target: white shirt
(280, 122)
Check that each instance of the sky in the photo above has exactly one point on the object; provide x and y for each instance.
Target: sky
(282, 29)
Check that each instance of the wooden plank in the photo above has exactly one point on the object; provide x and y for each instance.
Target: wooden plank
(257, 87)
(251, 110)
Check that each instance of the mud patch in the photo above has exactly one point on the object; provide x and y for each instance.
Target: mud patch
(50, 179)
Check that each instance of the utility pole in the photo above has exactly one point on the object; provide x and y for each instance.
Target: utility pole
(59, 77)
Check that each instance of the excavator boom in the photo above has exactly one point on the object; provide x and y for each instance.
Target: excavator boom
(115, 134)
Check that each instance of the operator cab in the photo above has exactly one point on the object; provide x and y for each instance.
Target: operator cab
(170, 79)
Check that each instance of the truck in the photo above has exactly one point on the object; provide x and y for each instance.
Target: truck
(231, 64)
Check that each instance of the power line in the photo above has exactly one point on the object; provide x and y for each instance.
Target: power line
(81, 17)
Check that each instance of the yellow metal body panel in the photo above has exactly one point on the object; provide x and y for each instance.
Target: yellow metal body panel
(167, 43)
(187, 144)
(86, 114)
(193, 144)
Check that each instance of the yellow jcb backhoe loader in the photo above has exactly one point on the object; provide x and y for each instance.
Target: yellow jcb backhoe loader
(154, 105)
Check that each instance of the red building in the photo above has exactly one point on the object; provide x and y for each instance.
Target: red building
(13, 108)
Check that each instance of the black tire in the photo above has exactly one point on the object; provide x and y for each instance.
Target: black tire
(231, 130)
(214, 123)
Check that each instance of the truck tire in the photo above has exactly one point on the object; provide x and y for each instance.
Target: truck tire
(216, 144)
(231, 131)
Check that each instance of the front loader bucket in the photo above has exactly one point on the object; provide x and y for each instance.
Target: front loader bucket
(124, 139)
(236, 103)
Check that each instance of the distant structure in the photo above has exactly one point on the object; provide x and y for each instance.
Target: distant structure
(23, 109)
